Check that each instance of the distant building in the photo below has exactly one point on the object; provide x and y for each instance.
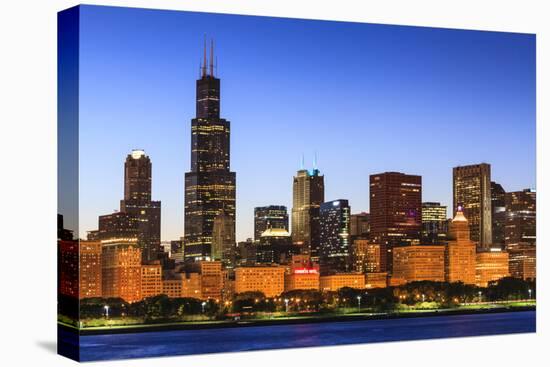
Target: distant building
(270, 280)
(121, 270)
(491, 265)
(172, 285)
(523, 261)
(275, 247)
(472, 191)
(333, 282)
(434, 223)
(376, 280)
(395, 212)
(67, 258)
(308, 193)
(246, 253)
(211, 280)
(176, 250)
(191, 286)
(272, 216)
(90, 269)
(223, 239)
(366, 256)
(302, 274)
(360, 225)
(498, 212)
(151, 279)
(521, 217)
(460, 252)
(335, 245)
(419, 262)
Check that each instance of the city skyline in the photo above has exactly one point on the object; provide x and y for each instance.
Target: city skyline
(347, 181)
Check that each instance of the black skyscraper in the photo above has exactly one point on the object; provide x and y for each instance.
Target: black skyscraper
(210, 185)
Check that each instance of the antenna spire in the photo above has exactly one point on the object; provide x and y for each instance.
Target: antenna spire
(302, 162)
(212, 57)
(204, 58)
(315, 161)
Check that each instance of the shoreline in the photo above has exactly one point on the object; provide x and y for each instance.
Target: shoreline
(286, 321)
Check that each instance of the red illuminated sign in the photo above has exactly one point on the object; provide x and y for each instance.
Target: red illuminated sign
(305, 271)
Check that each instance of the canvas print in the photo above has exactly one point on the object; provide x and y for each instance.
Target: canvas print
(234, 183)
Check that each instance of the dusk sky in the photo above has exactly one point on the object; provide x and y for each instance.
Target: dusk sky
(366, 98)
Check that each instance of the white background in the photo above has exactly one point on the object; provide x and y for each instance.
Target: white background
(28, 181)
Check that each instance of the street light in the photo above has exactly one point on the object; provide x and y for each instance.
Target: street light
(479, 294)
(423, 297)
(359, 302)
(203, 304)
(530, 293)
(286, 305)
(106, 307)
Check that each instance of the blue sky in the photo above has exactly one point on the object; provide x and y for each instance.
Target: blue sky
(366, 98)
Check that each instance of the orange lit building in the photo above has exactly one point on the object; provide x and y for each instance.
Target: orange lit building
(341, 280)
(151, 279)
(376, 280)
(417, 263)
(90, 269)
(366, 256)
(121, 270)
(491, 266)
(302, 274)
(211, 279)
(460, 252)
(191, 285)
(266, 279)
(172, 285)
(67, 257)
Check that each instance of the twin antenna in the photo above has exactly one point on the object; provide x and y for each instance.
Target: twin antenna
(207, 69)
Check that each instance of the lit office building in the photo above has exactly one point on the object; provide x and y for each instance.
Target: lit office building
(90, 269)
(272, 216)
(376, 280)
(472, 191)
(419, 262)
(211, 279)
(366, 256)
(302, 274)
(460, 252)
(333, 282)
(223, 239)
(67, 257)
(395, 212)
(434, 223)
(270, 280)
(521, 217)
(151, 279)
(121, 270)
(335, 246)
(498, 212)
(308, 193)
(210, 185)
(246, 253)
(523, 261)
(491, 265)
(275, 247)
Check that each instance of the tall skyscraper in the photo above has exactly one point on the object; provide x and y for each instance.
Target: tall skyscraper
(335, 245)
(395, 212)
(308, 193)
(472, 190)
(434, 223)
(498, 212)
(272, 216)
(210, 185)
(521, 217)
(137, 203)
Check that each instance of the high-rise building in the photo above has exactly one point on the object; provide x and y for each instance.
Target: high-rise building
(335, 244)
(275, 247)
(419, 262)
(121, 270)
(210, 184)
(366, 256)
(137, 202)
(272, 216)
(68, 269)
(246, 253)
(360, 225)
(472, 191)
(523, 261)
(521, 217)
(460, 252)
(90, 269)
(395, 212)
(176, 250)
(308, 193)
(498, 213)
(491, 265)
(223, 239)
(434, 223)
(211, 279)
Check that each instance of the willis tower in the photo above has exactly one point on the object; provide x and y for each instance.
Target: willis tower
(210, 185)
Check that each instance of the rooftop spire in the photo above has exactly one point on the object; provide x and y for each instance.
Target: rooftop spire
(204, 58)
(212, 57)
